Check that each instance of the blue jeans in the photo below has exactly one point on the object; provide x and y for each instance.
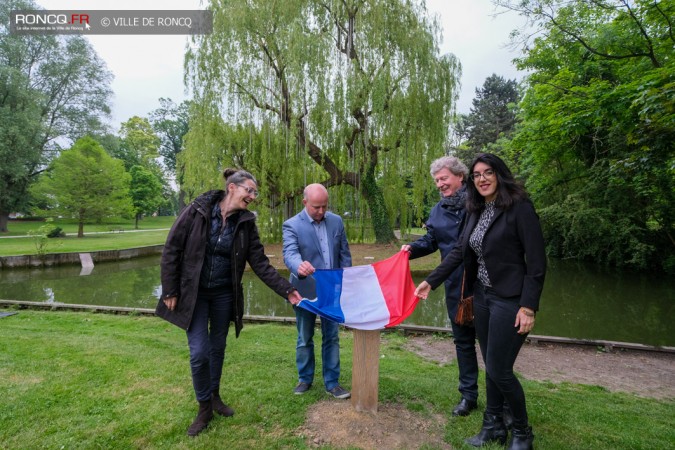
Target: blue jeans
(494, 318)
(304, 350)
(207, 343)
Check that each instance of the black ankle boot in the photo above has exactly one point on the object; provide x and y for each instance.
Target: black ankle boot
(204, 416)
(220, 407)
(493, 431)
(521, 439)
(508, 416)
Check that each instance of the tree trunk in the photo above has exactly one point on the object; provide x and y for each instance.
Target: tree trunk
(138, 216)
(181, 200)
(4, 219)
(379, 216)
(80, 229)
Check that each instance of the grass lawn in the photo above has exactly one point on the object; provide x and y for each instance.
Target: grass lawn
(88, 243)
(123, 236)
(156, 230)
(22, 227)
(80, 380)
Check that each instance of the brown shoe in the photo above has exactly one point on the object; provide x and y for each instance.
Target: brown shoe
(204, 416)
(220, 407)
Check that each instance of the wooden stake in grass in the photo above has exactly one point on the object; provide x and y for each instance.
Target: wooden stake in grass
(365, 370)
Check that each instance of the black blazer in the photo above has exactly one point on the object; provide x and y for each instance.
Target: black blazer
(513, 250)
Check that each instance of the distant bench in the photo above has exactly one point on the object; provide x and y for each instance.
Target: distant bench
(116, 229)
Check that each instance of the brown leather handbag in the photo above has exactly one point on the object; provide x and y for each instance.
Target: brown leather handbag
(464, 314)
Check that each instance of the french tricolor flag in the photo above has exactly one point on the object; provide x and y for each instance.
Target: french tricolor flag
(367, 297)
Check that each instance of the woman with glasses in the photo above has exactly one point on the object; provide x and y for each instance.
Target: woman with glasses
(502, 248)
(201, 269)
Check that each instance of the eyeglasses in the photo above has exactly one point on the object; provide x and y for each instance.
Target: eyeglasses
(249, 190)
(488, 174)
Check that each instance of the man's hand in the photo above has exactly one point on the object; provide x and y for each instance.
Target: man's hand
(305, 269)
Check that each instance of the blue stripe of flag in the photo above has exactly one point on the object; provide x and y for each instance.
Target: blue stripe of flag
(328, 290)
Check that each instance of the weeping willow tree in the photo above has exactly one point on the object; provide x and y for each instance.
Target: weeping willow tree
(353, 94)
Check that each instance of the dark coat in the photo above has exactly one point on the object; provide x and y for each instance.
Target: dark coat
(183, 257)
(444, 227)
(513, 250)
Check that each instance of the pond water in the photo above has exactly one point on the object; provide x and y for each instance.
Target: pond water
(579, 300)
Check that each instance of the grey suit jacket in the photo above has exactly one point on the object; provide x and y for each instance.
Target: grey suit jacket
(301, 244)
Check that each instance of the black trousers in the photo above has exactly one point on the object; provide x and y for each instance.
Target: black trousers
(494, 318)
(207, 339)
(467, 360)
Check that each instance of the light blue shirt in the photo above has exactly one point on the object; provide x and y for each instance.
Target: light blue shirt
(322, 236)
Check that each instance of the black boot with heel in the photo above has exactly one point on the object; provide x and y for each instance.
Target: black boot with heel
(508, 416)
(493, 431)
(521, 438)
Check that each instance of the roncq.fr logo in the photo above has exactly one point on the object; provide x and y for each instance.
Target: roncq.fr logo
(50, 19)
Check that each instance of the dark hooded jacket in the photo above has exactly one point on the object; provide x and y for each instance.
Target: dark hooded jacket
(183, 257)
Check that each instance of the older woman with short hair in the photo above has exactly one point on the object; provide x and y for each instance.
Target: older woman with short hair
(443, 230)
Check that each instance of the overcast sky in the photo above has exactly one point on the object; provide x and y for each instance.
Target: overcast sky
(149, 67)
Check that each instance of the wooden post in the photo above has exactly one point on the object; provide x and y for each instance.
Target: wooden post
(365, 370)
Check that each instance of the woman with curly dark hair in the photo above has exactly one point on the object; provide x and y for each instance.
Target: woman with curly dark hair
(502, 248)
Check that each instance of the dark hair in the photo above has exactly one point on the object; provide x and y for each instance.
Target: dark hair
(509, 191)
(236, 176)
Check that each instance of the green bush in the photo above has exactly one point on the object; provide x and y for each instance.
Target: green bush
(56, 232)
(576, 229)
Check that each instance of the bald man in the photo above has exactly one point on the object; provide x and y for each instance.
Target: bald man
(315, 239)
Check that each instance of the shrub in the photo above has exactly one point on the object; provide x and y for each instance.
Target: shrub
(56, 232)
(576, 229)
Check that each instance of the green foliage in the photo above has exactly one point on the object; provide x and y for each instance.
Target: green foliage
(85, 183)
(50, 87)
(353, 95)
(19, 151)
(576, 229)
(139, 145)
(493, 114)
(598, 126)
(56, 232)
(145, 190)
(171, 123)
(41, 236)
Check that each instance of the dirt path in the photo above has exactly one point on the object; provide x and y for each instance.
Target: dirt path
(337, 424)
(637, 372)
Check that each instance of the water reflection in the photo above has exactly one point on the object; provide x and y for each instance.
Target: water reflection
(579, 301)
(131, 283)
